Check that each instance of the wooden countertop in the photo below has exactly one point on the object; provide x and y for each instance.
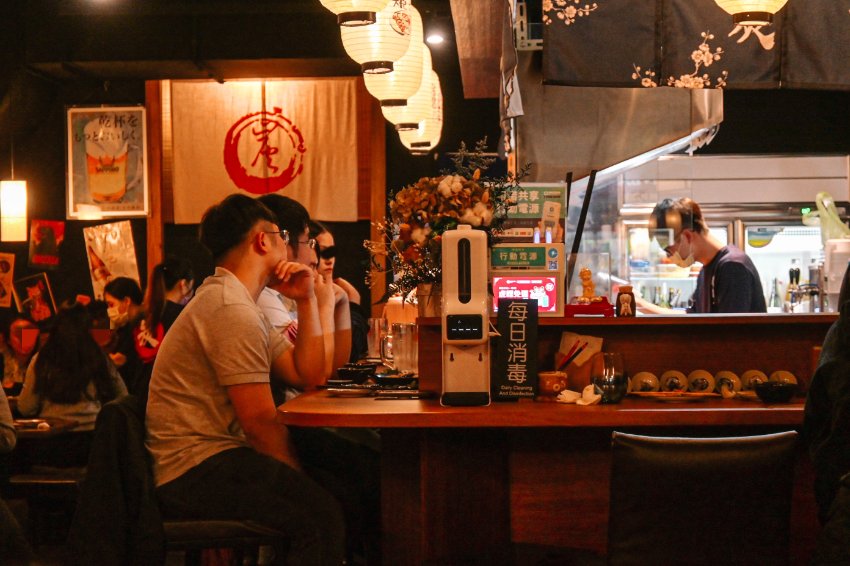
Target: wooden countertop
(673, 320)
(319, 409)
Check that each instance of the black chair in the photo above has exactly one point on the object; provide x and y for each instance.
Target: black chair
(117, 519)
(701, 500)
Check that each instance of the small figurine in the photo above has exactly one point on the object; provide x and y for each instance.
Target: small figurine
(625, 301)
(588, 289)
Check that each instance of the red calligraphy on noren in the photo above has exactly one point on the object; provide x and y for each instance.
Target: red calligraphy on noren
(273, 149)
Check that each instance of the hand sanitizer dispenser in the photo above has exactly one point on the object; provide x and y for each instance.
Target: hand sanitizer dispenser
(466, 322)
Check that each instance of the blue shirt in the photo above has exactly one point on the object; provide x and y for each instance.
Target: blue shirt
(729, 283)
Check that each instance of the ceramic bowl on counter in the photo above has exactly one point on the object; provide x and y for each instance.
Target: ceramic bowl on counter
(775, 391)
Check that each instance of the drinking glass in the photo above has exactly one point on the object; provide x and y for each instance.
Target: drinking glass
(377, 331)
(400, 348)
(608, 377)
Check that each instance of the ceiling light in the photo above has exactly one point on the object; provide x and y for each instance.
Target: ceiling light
(752, 12)
(435, 38)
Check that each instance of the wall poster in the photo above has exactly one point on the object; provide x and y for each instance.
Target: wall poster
(34, 298)
(111, 254)
(107, 161)
(7, 276)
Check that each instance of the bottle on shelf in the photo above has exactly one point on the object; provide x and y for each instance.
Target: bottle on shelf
(794, 273)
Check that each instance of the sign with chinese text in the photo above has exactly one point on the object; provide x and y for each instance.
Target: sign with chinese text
(514, 374)
(107, 160)
(536, 214)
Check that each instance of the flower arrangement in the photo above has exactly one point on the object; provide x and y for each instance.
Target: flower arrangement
(421, 212)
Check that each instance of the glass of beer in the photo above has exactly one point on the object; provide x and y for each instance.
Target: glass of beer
(608, 377)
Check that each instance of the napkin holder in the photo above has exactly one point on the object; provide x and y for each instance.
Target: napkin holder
(465, 318)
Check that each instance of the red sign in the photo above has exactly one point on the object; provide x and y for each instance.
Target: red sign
(542, 288)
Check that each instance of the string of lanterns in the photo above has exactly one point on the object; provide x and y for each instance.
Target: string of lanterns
(386, 38)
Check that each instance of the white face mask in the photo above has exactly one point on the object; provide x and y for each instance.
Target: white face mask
(117, 318)
(683, 262)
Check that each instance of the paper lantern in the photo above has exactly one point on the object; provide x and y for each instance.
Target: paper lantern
(751, 12)
(376, 47)
(427, 134)
(355, 12)
(418, 106)
(393, 89)
(13, 211)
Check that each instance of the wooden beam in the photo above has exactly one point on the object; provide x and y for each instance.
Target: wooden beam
(155, 228)
(478, 33)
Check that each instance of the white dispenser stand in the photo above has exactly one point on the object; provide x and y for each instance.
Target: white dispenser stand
(466, 322)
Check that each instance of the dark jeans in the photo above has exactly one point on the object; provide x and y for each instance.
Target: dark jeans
(351, 472)
(241, 484)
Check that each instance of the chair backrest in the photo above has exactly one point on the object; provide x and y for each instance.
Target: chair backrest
(701, 500)
(117, 520)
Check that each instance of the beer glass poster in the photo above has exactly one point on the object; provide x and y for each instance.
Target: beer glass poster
(107, 160)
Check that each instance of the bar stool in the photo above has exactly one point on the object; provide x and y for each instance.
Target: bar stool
(701, 500)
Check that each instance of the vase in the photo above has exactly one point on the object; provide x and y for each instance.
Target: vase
(429, 297)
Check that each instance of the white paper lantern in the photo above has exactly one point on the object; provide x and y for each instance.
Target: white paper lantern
(393, 89)
(418, 106)
(376, 47)
(427, 135)
(751, 12)
(355, 12)
(13, 211)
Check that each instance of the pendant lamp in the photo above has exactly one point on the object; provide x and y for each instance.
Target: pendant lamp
(418, 106)
(355, 12)
(393, 89)
(427, 134)
(376, 47)
(13, 196)
(751, 12)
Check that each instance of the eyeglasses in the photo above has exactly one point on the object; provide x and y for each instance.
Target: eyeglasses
(311, 243)
(284, 235)
(328, 252)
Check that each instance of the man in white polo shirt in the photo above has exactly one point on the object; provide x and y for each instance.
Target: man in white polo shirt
(218, 451)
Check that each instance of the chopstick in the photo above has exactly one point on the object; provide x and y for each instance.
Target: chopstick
(575, 352)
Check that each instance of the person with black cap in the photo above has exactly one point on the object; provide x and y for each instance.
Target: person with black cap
(728, 281)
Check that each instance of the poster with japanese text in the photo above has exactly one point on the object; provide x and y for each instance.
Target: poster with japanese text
(45, 238)
(107, 160)
(111, 253)
(7, 275)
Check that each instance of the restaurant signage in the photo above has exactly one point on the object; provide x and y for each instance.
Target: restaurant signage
(514, 374)
(111, 254)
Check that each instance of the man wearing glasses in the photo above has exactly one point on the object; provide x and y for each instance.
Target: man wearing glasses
(334, 312)
(218, 451)
(728, 281)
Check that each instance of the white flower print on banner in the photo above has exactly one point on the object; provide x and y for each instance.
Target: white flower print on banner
(702, 57)
(646, 77)
(566, 10)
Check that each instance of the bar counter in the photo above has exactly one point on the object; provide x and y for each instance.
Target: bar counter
(462, 485)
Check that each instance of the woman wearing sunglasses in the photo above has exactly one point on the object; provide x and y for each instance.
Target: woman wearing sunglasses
(326, 257)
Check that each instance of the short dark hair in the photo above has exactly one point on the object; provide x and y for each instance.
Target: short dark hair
(678, 215)
(123, 287)
(291, 215)
(316, 228)
(226, 224)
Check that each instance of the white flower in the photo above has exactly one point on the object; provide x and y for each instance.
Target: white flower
(419, 235)
(445, 188)
(469, 217)
(480, 209)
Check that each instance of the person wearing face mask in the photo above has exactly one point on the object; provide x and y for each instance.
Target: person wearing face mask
(728, 281)
(170, 287)
(123, 298)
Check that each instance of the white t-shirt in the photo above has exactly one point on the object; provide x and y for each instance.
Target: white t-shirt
(220, 339)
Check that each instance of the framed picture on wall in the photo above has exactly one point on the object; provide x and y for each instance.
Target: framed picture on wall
(107, 162)
(34, 298)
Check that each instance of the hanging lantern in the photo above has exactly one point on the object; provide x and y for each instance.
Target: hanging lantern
(355, 12)
(13, 211)
(428, 132)
(393, 89)
(418, 106)
(751, 12)
(378, 46)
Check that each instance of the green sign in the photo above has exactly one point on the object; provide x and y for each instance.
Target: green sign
(518, 256)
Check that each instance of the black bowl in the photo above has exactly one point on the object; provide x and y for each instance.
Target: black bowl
(775, 392)
(356, 374)
(394, 379)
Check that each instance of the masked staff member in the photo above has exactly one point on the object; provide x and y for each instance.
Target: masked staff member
(728, 281)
